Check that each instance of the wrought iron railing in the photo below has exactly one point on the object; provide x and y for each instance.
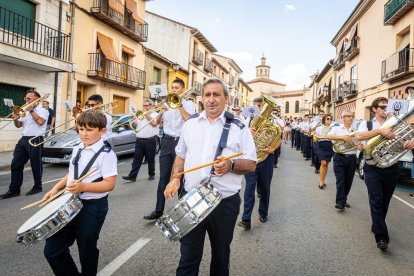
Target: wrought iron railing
(339, 61)
(350, 88)
(399, 64)
(197, 87)
(394, 9)
(116, 72)
(33, 36)
(125, 22)
(198, 57)
(208, 66)
(352, 50)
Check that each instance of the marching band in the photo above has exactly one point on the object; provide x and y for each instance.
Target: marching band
(191, 139)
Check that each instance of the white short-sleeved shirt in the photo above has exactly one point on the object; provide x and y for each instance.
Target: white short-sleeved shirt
(30, 127)
(108, 124)
(106, 163)
(322, 131)
(173, 121)
(198, 144)
(305, 126)
(340, 131)
(280, 122)
(363, 127)
(148, 131)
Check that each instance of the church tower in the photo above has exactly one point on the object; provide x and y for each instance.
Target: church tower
(263, 70)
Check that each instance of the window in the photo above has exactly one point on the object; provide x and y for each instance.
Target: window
(156, 76)
(18, 17)
(13, 92)
(340, 80)
(297, 107)
(287, 107)
(353, 73)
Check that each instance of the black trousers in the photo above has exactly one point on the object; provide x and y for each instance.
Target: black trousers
(219, 225)
(292, 137)
(22, 153)
(344, 169)
(297, 139)
(144, 147)
(381, 185)
(167, 156)
(314, 154)
(85, 229)
(306, 146)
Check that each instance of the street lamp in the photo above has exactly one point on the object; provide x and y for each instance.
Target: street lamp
(176, 66)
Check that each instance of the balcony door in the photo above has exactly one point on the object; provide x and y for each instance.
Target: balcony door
(125, 66)
(120, 109)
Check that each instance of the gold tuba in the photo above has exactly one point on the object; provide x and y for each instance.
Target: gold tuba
(268, 132)
(342, 146)
(383, 152)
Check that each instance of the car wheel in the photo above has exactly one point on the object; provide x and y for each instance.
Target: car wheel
(361, 164)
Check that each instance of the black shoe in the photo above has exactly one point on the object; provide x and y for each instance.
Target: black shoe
(347, 205)
(245, 224)
(307, 159)
(151, 177)
(129, 178)
(340, 206)
(383, 245)
(275, 166)
(9, 194)
(311, 164)
(263, 219)
(153, 215)
(316, 171)
(321, 187)
(259, 195)
(34, 191)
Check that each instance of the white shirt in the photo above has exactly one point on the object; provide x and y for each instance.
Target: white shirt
(30, 127)
(340, 131)
(305, 127)
(363, 127)
(198, 145)
(173, 121)
(322, 131)
(279, 121)
(148, 131)
(108, 124)
(106, 163)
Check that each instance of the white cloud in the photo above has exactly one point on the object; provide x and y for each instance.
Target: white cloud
(241, 56)
(289, 8)
(217, 21)
(295, 76)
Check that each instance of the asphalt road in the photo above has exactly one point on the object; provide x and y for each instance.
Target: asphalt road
(305, 234)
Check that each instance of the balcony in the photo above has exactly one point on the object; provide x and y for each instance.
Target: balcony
(41, 41)
(337, 95)
(231, 79)
(197, 88)
(350, 89)
(395, 9)
(122, 19)
(352, 51)
(208, 66)
(198, 57)
(339, 62)
(115, 72)
(399, 65)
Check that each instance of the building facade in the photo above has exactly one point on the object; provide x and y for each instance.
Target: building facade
(292, 102)
(321, 88)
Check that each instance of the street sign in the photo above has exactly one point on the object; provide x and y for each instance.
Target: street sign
(8, 102)
(398, 106)
(158, 91)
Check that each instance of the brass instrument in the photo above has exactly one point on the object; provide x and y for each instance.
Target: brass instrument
(76, 111)
(20, 111)
(341, 146)
(316, 137)
(263, 125)
(383, 152)
(140, 115)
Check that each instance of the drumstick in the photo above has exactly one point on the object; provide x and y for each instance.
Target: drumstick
(63, 190)
(211, 163)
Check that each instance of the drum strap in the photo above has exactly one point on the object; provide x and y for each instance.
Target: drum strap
(88, 166)
(224, 136)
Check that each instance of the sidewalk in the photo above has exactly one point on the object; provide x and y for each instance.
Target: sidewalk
(5, 160)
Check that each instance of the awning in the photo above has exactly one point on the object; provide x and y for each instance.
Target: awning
(116, 5)
(351, 35)
(128, 50)
(404, 41)
(107, 47)
(131, 5)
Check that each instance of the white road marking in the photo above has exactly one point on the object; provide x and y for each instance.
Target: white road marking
(403, 201)
(121, 163)
(113, 266)
(53, 180)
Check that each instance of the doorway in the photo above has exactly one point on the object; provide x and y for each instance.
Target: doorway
(120, 109)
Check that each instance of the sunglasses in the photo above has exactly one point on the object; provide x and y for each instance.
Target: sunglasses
(328, 119)
(383, 107)
(147, 105)
(91, 105)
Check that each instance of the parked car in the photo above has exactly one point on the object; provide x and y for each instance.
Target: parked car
(121, 137)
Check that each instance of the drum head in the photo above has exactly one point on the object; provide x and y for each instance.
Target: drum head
(44, 213)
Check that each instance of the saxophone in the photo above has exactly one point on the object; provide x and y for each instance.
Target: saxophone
(268, 134)
(383, 152)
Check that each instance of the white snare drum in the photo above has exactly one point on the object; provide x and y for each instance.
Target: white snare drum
(189, 211)
(50, 219)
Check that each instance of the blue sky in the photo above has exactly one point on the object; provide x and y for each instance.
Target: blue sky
(294, 35)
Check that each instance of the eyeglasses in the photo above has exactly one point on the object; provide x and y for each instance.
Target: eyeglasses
(91, 105)
(383, 107)
(328, 119)
(348, 116)
(147, 105)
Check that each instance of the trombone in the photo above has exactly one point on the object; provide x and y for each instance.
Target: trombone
(76, 111)
(20, 111)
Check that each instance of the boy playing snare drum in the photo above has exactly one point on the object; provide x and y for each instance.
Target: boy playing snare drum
(91, 154)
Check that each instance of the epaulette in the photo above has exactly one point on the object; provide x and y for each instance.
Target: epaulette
(195, 115)
(107, 149)
(238, 123)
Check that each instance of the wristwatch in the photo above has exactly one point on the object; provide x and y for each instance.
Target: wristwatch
(31, 111)
(231, 165)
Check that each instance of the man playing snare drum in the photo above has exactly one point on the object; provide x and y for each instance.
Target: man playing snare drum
(199, 144)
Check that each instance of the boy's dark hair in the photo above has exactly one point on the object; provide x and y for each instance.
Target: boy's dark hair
(376, 102)
(33, 92)
(96, 98)
(180, 82)
(91, 118)
(326, 116)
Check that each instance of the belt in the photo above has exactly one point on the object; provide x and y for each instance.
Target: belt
(95, 200)
(168, 137)
(345, 155)
(146, 138)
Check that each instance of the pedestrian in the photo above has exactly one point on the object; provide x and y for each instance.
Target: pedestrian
(287, 131)
(33, 124)
(380, 182)
(145, 144)
(173, 121)
(344, 163)
(325, 150)
(199, 143)
(51, 119)
(93, 191)
(317, 121)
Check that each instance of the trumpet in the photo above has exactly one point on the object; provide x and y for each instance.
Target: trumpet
(76, 111)
(20, 111)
